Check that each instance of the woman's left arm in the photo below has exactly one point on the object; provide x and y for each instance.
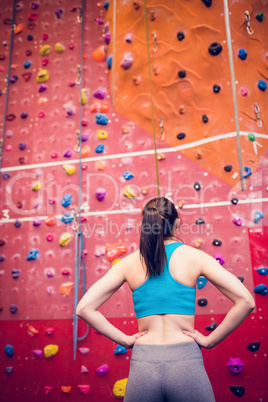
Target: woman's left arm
(96, 296)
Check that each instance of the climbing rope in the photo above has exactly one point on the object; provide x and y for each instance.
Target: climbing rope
(113, 59)
(151, 92)
(79, 237)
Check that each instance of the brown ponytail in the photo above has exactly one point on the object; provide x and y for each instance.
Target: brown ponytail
(158, 223)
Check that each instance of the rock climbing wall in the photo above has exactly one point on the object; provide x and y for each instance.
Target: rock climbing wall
(107, 68)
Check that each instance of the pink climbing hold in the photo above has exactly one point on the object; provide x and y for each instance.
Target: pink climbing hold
(71, 46)
(84, 388)
(102, 370)
(237, 221)
(47, 389)
(83, 351)
(45, 36)
(84, 369)
(54, 155)
(50, 237)
(244, 91)
(38, 353)
(50, 331)
(45, 61)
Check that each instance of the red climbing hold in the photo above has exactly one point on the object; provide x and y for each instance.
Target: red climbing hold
(84, 388)
(47, 389)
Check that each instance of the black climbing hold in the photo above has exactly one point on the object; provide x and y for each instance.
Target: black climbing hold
(197, 186)
(228, 168)
(215, 48)
(180, 136)
(180, 35)
(238, 391)
(15, 273)
(182, 73)
(202, 302)
(217, 242)
(254, 347)
(199, 221)
(216, 88)
(241, 278)
(212, 326)
(30, 37)
(259, 16)
(205, 118)
(234, 200)
(207, 2)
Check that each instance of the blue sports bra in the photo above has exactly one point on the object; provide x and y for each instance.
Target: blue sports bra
(162, 294)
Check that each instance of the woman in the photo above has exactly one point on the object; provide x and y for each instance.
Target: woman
(166, 362)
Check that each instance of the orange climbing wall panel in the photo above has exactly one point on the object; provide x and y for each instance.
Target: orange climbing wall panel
(180, 102)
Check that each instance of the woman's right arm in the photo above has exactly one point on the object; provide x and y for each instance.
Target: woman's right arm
(232, 288)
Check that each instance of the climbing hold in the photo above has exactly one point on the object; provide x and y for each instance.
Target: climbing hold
(100, 93)
(66, 390)
(50, 272)
(66, 288)
(200, 221)
(182, 73)
(51, 220)
(9, 349)
(202, 302)
(254, 346)
(259, 16)
(219, 258)
(198, 243)
(181, 136)
(42, 88)
(42, 76)
(99, 251)
(109, 62)
(128, 175)
(242, 54)
(115, 250)
(32, 331)
(18, 29)
(129, 192)
(238, 391)
(181, 204)
(15, 273)
(258, 216)
(66, 200)
(99, 106)
(65, 239)
(84, 388)
(32, 255)
(205, 118)
(37, 221)
(160, 157)
(30, 38)
(13, 309)
(100, 165)
(120, 350)
(248, 171)
(201, 282)
(38, 353)
(100, 193)
(66, 271)
(67, 218)
(180, 35)
(207, 2)
(58, 12)
(11, 117)
(237, 221)
(234, 200)
(70, 109)
(99, 148)
(84, 351)
(84, 137)
(261, 289)
(50, 350)
(17, 223)
(262, 85)
(129, 37)
(2, 242)
(68, 153)
(84, 96)
(85, 151)
(24, 115)
(49, 331)
(119, 388)
(262, 271)
(84, 370)
(212, 326)
(102, 370)
(197, 186)
(36, 185)
(8, 370)
(45, 50)
(69, 169)
(14, 79)
(216, 88)
(217, 242)
(251, 137)
(235, 365)
(101, 118)
(27, 64)
(99, 54)
(127, 61)
(215, 49)
(228, 168)
(26, 76)
(244, 91)
(105, 5)
(47, 390)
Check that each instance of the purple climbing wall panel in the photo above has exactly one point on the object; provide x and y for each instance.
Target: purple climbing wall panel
(40, 166)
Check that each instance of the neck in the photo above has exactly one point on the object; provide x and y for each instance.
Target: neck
(170, 239)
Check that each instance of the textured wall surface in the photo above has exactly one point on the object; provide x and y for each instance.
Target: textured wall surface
(39, 139)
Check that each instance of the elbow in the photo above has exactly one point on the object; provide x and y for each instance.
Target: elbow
(250, 303)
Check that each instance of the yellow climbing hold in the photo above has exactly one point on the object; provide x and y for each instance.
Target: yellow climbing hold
(65, 239)
(119, 388)
(36, 185)
(42, 76)
(102, 135)
(84, 98)
(59, 48)
(69, 169)
(50, 350)
(129, 193)
(45, 50)
(116, 261)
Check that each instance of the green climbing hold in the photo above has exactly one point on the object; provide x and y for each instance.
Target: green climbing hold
(259, 17)
(251, 137)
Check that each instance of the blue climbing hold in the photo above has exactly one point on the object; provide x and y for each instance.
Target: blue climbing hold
(258, 216)
(201, 281)
(109, 62)
(9, 350)
(106, 5)
(13, 308)
(66, 200)
(128, 175)
(262, 85)
(242, 54)
(99, 148)
(120, 350)
(9, 370)
(32, 255)
(30, 37)
(27, 64)
(2, 258)
(261, 289)
(67, 218)
(248, 171)
(17, 223)
(262, 271)
(101, 118)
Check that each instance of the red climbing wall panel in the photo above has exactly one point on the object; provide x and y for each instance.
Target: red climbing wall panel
(40, 141)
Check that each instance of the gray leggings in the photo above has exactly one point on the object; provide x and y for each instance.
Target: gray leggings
(168, 373)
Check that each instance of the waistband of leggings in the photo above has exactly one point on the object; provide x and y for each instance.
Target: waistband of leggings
(177, 351)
